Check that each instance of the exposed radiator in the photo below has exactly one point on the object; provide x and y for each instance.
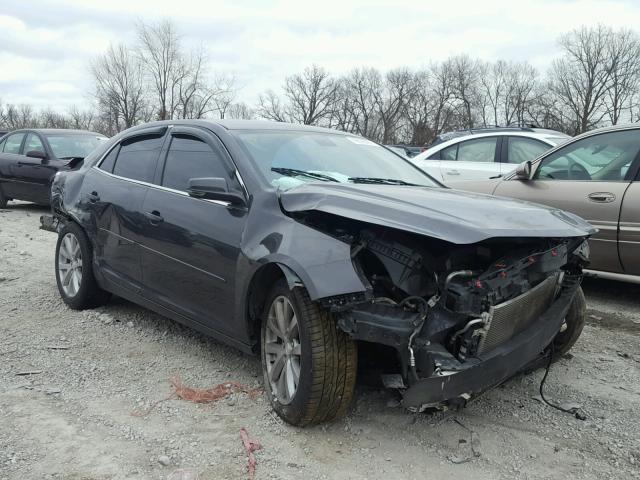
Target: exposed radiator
(513, 316)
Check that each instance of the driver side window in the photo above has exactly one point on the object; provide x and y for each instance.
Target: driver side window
(606, 158)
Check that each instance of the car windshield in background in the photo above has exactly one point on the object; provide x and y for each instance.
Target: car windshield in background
(73, 145)
(290, 158)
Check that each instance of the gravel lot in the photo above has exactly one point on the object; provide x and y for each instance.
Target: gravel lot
(74, 419)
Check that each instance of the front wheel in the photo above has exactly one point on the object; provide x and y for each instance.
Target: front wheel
(309, 364)
(74, 270)
(567, 336)
(572, 327)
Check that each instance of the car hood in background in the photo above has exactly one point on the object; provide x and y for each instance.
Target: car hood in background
(451, 215)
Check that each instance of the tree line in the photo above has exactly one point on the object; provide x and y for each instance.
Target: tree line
(594, 82)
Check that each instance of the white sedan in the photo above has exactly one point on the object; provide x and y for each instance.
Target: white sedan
(485, 153)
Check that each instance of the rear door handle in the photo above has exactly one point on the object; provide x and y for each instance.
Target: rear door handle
(93, 197)
(602, 197)
(154, 217)
(453, 172)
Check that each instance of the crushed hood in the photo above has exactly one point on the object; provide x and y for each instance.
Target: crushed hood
(451, 215)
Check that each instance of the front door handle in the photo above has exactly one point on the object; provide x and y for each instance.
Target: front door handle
(93, 197)
(154, 217)
(602, 197)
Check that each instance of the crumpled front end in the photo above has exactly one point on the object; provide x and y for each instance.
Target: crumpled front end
(462, 318)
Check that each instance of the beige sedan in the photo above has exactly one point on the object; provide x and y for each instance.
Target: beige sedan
(595, 176)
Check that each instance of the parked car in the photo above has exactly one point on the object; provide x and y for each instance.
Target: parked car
(3, 132)
(485, 153)
(299, 242)
(410, 151)
(596, 176)
(30, 158)
(399, 150)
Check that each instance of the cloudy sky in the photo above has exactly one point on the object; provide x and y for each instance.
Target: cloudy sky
(46, 45)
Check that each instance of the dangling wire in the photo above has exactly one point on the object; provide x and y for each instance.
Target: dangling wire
(573, 411)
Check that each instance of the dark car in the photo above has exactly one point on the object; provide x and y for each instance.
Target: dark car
(30, 158)
(302, 243)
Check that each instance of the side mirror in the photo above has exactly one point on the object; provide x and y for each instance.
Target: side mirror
(523, 171)
(214, 189)
(37, 154)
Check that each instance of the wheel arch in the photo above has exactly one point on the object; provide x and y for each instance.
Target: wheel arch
(259, 287)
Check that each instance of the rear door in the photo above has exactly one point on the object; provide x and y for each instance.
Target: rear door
(9, 158)
(588, 177)
(190, 246)
(473, 159)
(115, 191)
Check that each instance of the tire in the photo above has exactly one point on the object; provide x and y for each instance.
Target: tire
(567, 337)
(326, 360)
(573, 326)
(3, 199)
(76, 283)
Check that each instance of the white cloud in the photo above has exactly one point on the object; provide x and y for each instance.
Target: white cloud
(46, 45)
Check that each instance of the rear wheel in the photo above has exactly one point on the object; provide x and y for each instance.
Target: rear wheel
(309, 364)
(74, 270)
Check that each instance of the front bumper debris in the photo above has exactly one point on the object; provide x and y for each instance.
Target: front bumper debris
(493, 367)
(49, 223)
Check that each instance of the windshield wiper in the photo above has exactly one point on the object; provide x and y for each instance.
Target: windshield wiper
(71, 158)
(381, 181)
(294, 172)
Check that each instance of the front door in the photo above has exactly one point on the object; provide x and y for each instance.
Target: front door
(191, 246)
(588, 177)
(629, 234)
(35, 174)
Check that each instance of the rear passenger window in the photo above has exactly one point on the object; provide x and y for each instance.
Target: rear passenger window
(449, 153)
(189, 157)
(523, 149)
(138, 157)
(110, 160)
(477, 150)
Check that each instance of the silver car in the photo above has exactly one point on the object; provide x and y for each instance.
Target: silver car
(485, 153)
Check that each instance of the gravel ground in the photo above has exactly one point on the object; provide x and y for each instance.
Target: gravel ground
(74, 416)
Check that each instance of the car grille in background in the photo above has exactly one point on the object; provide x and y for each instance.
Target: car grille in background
(511, 317)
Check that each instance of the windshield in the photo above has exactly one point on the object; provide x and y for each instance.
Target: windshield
(290, 158)
(73, 145)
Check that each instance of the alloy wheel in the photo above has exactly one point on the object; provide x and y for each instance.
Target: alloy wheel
(282, 349)
(70, 265)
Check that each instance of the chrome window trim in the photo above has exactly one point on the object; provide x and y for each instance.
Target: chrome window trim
(169, 127)
(160, 187)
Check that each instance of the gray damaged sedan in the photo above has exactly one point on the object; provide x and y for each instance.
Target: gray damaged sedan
(305, 244)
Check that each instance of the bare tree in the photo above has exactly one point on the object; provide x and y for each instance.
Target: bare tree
(311, 96)
(391, 102)
(19, 116)
(624, 57)
(466, 74)
(581, 79)
(119, 87)
(161, 56)
(270, 107)
(81, 119)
